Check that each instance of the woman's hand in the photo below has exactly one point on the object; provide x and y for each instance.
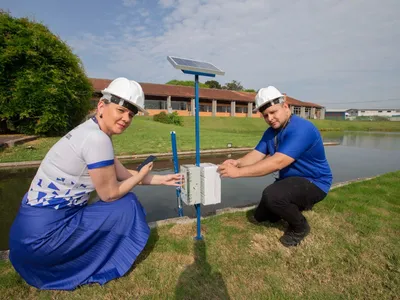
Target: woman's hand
(145, 169)
(171, 179)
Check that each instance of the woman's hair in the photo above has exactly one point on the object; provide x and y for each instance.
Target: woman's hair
(94, 111)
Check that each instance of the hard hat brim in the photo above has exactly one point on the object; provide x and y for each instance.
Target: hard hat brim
(141, 109)
(272, 102)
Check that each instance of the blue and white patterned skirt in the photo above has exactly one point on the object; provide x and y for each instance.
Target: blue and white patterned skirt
(63, 249)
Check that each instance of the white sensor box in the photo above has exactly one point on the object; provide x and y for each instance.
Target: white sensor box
(201, 184)
(210, 184)
(190, 190)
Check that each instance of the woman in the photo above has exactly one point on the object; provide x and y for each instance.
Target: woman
(57, 241)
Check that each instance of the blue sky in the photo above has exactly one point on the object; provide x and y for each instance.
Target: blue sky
(340, 54)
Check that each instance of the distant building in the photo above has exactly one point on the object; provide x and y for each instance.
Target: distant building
(340, 113)
(352, 113)
(213, 102)
(381, 112)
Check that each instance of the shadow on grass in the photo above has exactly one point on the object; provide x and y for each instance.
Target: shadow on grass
(281, 225)
(199, 281)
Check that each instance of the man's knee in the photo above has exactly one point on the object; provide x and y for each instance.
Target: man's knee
(274, 199)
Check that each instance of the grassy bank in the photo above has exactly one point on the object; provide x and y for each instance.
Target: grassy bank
(353, 252)
(147, 136)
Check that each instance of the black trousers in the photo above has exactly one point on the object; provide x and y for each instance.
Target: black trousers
(286, 198)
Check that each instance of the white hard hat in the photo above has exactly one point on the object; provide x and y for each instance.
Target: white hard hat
(269, 95)
(126, 93)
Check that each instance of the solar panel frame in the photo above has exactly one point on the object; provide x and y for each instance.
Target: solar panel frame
(186, 64)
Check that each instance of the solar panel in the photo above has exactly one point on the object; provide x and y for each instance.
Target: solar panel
(185, 64)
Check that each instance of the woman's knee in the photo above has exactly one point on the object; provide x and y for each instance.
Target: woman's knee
(125, 205)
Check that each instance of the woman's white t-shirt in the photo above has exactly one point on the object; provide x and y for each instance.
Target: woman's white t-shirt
(63, 178)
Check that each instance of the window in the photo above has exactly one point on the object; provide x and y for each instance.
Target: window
(389, 111)
(379, 111)
(308, 112)
(179, 105)
(241, 109)
(363, 111)
(223, 109)
(296, 110)
(206, 108)
(155, 104)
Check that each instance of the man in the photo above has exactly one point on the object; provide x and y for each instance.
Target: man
(293, 150)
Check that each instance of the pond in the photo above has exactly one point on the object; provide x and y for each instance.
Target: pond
(358, 155)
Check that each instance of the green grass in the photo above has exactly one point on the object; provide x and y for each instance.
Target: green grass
(353, 252)
(147, 136)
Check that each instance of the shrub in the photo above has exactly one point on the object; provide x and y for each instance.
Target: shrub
(172, 118)
(43, 87)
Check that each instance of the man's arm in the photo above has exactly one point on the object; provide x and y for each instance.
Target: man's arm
(271, 164)
(250, 158)
(266, 166)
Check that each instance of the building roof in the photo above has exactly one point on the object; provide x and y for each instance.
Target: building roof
(336, 109)
(153, 89)
(376, 109)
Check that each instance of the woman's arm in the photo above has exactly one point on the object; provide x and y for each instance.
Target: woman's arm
(107, 185)
(122, 172)
(150, 179)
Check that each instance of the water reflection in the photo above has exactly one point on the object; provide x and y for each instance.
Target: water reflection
(361, 154)
(374, 140)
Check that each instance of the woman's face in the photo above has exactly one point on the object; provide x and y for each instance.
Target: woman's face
(115, 118)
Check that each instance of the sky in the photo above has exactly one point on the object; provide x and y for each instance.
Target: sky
(337, 53)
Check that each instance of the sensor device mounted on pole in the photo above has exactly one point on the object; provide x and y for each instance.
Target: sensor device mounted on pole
(192, 192)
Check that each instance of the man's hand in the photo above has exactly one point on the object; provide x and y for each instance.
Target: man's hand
(229, 170)
(233, 162)
(171, 179)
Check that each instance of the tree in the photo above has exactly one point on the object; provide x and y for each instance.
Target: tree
(250, 90)
(43, 86)
(213, 84)
(186, 83)
(234, 86)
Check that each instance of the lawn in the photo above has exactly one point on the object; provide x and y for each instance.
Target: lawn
(352, 252)
(147, 136)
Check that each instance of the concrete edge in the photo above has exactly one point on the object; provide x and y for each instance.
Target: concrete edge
(186, 220)
(36, 163)
(12, 143)
(4, 255)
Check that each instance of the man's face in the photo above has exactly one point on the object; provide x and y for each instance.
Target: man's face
(276, 115)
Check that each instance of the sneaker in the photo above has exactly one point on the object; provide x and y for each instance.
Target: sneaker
(293, 238)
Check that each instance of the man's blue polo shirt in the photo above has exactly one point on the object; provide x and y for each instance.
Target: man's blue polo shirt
(300, 140)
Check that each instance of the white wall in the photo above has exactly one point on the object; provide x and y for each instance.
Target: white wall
(378, 112)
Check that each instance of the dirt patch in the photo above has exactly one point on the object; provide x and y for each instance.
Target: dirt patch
(186, 231)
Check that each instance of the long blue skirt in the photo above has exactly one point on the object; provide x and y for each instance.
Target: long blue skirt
(63, 249)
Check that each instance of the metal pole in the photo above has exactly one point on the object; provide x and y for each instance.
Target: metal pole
(196, 92)
(197, 108)
(176, 169)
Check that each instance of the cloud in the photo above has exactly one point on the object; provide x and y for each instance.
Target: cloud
(319, 51)
(167, 3)
(129, 3)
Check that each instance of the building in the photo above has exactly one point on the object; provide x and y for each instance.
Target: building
(213, 102)
(340, 114)
(381, 112)
(352, 113)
